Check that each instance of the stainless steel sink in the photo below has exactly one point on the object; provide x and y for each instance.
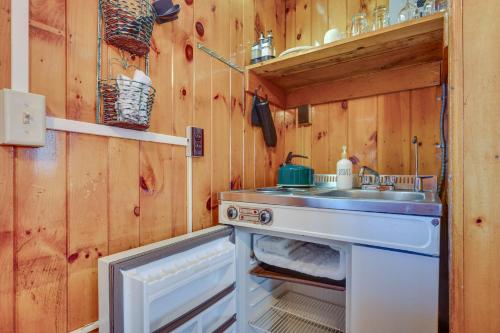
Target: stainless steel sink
(375, 195)
(392, 202)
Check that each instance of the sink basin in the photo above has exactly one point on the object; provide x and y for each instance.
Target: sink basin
(390, 202)
(375, 195)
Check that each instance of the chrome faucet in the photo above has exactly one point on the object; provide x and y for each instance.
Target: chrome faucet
(365, 169)
(417, 184)
(367, 184)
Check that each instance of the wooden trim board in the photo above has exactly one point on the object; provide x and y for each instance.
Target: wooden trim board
(74, 126)
(378, 83)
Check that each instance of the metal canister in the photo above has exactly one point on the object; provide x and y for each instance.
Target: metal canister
(267, 48)
(256, 53)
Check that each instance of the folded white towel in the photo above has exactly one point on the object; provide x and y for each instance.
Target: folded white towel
(132, 104)
(312, 259)
(140, 76)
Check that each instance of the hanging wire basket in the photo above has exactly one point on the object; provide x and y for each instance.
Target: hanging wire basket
(126, 103)
(128, 24)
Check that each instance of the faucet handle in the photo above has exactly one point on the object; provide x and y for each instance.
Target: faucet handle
(418, 184)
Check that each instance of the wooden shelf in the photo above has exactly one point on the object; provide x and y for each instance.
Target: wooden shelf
(271, 272)
(406, 45)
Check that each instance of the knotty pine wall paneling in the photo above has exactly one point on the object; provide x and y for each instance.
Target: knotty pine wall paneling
(41, 236)
(377, 131)
(183, 93)
(238, 55)
(202, 117)
(87, 221)
(82, 197)
(221, 105)
(250, 35)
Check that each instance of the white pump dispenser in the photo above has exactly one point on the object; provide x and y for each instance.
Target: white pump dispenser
(344, 171)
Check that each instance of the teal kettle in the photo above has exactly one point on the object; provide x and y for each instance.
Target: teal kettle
(293, 175)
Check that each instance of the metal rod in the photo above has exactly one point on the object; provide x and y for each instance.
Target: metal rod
(220, 58)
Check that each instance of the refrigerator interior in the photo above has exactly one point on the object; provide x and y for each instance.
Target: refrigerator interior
(279, 305)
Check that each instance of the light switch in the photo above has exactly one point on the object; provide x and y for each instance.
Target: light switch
(22, 118)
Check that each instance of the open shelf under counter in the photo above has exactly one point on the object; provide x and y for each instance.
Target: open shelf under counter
(277, 273)
(402, 56)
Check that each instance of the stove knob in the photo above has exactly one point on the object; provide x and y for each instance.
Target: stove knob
(232, 213)
(265, 216)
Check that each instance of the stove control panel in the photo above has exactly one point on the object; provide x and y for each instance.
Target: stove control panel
(250, 215)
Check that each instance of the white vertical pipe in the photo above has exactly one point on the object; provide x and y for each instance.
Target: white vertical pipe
(189, 193)
(20, 45)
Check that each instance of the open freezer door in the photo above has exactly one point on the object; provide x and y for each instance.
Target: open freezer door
(184, 284)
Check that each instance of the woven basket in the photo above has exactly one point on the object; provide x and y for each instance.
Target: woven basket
(128, 24)
(127, 103)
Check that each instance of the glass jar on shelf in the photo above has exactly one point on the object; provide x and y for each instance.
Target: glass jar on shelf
(380, 17)
(409, 11)
(359, 24)
(429, 7)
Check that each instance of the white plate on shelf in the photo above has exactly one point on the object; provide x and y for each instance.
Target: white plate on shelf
(295, 50)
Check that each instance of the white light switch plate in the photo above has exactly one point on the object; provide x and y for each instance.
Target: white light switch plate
(22, 118)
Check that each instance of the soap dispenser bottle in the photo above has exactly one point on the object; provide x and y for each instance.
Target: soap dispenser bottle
(344, 171)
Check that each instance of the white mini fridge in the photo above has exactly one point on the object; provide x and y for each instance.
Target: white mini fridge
(212, 281)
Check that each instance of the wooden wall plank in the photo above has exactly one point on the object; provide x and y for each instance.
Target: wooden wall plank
(303, 23)
(5, 36)
(425, 125)
(250, 36)
(7, 291)
(290, 19)
(303, 29)
(48, 53)
(221, 105)
(279, 31)
(202, 117)
(481, 164)
(156, 192)
(237, 53)
(40, 236)
(179, 191)
(261, 159)
(394, 141)
(161, 63)
(290, 131)
(82, 59)
(123, 194)
(183, 65)
(395, 80)
(337, 15)
(319, 25)
(456, 168)
(279, 152)
(87, 224)
(320, 139)
(270, 15)
(249, 153)
(182, 54)
(362, 133)
(337, 133)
